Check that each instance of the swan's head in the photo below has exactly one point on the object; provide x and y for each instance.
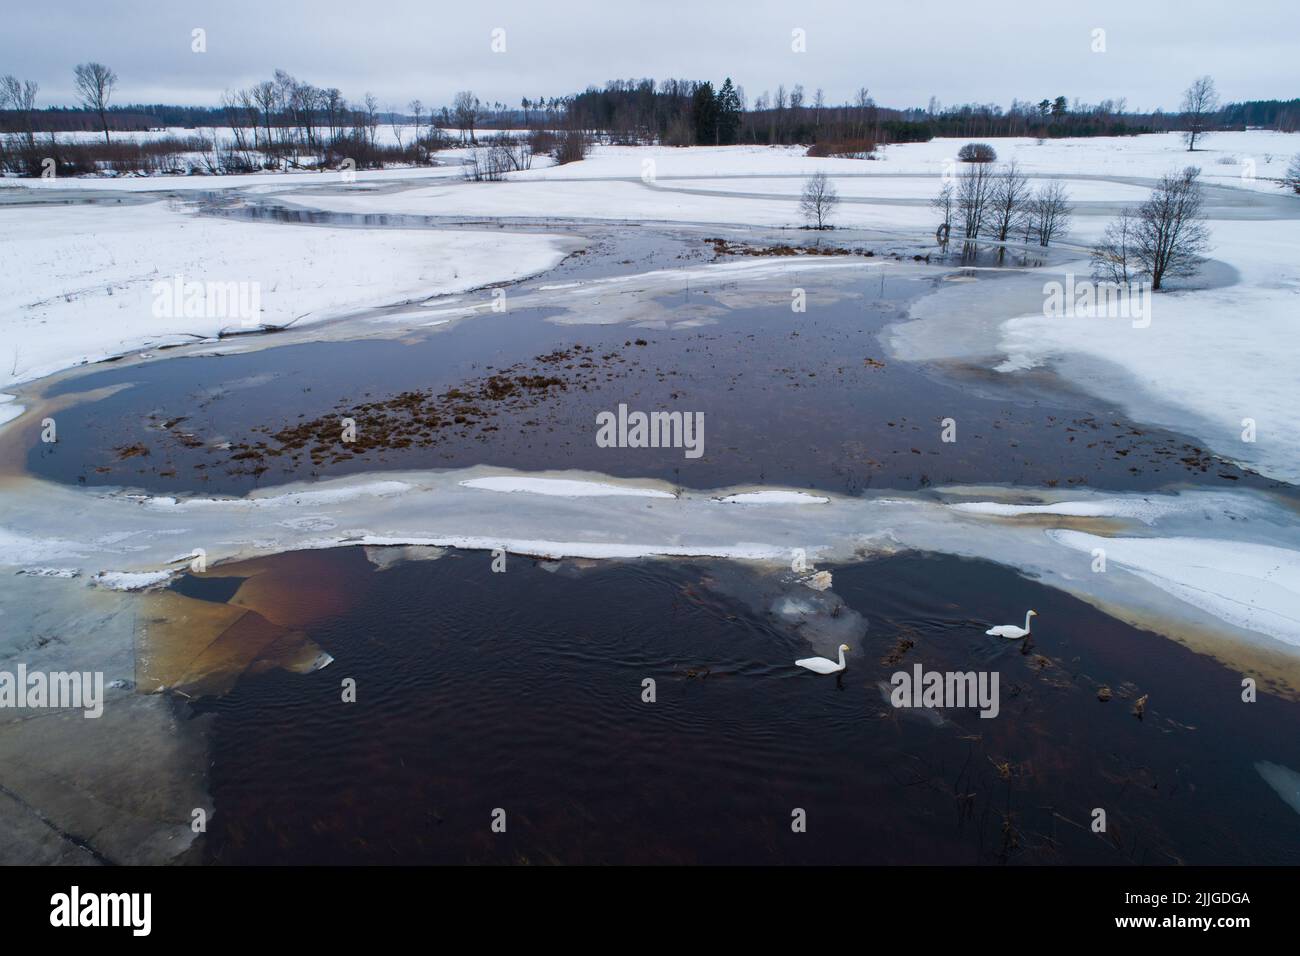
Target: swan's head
(1033, 614)
(845, 647)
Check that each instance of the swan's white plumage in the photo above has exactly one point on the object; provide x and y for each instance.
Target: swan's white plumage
(1010, 631)
(823, 665)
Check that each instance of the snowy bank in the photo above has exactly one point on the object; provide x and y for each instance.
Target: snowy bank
(85, 282)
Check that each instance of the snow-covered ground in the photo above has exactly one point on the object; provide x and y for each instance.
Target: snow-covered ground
(254, 183)
(1211, 360)
(1253, 159)
(1227, 158)
(82, 282)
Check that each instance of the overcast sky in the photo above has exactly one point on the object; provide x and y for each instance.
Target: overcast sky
(904, 51)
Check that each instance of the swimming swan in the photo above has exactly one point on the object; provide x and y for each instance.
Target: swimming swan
(1010, 631)
(821, 665)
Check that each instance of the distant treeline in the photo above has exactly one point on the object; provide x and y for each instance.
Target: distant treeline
(675, 111)
(678, 112)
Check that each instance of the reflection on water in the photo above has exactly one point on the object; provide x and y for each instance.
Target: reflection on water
(523, 691)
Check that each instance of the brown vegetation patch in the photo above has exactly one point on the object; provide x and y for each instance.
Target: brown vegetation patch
(724, 247)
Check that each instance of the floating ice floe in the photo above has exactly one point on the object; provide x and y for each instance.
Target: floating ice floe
(51, 572)
(1146, 510)
(325, 496)
(562, 487)
(130, 580)
(1284, 781)
(1252, 586)
(9, 409)
(818, 581)
(773, 498)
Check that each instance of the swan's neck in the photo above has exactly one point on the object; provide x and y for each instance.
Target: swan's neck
(841, 658)
(1027, 617)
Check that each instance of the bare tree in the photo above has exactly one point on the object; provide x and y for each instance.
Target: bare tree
(1009, 201)
(241, 114)
(946, 205)
(1171, 229)
(95, 85)
(1165, 237)
(417, 110)
(264, 96)
(1113, 259)
(1049, 213)
(1200, 102)
(20, 96)
(974, 189)
(372, 118)
(395, 124)
(335, 108)
(819, 200)
(862, 99)
(466, 107)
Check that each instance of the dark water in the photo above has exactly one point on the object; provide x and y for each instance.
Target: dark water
(522, 691)
(802, 400)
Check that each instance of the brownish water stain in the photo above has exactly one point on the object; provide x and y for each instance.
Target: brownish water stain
(301, 588)
(200, 648)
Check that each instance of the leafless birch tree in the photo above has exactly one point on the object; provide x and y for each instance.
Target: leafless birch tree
(1200, 102)
(819, 200)
(95, 85)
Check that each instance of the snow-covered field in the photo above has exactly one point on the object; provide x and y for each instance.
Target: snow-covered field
(1224, 158)
(1210, 360)
(83, 282)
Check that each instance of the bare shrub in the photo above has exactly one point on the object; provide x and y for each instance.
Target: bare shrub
(854, 148)
(1291, 178)
(571, 148)
(489, 164)
(542, 142)
(977, 153)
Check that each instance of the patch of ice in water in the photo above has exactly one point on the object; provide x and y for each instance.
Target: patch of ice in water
(1284, 781)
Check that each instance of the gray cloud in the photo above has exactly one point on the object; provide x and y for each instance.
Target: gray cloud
(904, 51)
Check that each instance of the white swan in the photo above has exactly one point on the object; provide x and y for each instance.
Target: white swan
(821, 665)
(1010, 631)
